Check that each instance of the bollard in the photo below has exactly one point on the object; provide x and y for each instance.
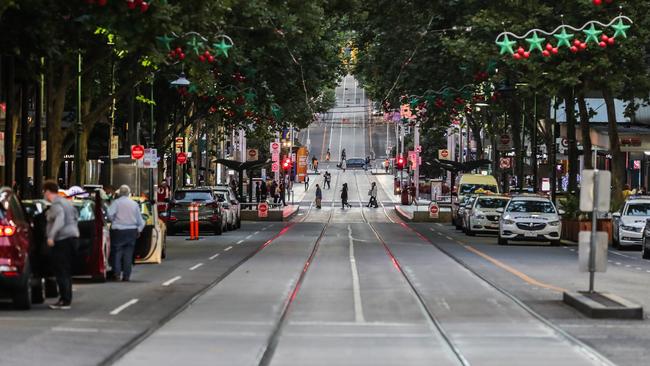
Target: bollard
(194, 221)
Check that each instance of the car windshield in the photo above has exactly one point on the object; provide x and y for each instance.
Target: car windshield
(477, 188)
(638, 209)
(192, 196)
(491, 203)
(531, 207)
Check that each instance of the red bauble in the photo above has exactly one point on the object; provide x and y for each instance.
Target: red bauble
(202, 58)
(598, 2)
(577, 43)
(210, 59)
(574, 49)
(138, 2)
(144, 7)
(526, 54)
(549, 47)
(206, 53)
(517, 56)
(102, 2)
(602, 44)
(545, 53)
(583, 46)
(604, 37)
(555, 51)
(521, 51)
(130, 4)
(181, 56)
(611, 41)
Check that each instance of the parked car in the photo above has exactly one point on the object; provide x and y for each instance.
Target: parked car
(151, 246)
(229, 201)
(17, 280)
(468, 184)
(482, 215)
(459, 212)
(645, 246)
(629, 222)
(211, 216)
(530, 218)
(352, 163)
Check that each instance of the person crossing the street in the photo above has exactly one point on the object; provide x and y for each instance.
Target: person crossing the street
(344, 197)
(306, 183)
(126, 226)
(373, 196)
(319, 196)
(62, 237)
(328, 179)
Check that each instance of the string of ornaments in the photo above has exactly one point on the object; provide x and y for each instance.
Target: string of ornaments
(601, 34)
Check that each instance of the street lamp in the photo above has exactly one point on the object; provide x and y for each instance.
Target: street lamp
(181, 81)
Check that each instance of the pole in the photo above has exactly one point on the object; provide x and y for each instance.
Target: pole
(416, 142)
(152, 141)
(553, 152)
(111, 129)
(38, 131)
(534, 146)
(24, 140)
(277, 173)
(79, 126)
(592, 242)
(9, 127)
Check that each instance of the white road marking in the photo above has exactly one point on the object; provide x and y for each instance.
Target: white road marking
(196, 266)
(627, 266)
(255, 233)
(214, 256)
(227, 249)
(356, 287)
(439, 224)
(621, 255)
(92, 330)
(618, 263)
(449, 237)
(169, 282)
(241, 241)
(120, 308)
(248, 237)
(639, 269)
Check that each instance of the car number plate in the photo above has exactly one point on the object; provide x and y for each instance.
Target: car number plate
(530, 234)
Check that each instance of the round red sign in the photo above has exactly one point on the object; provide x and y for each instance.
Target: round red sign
(137, 152)
(275, 146)
(444, 153)
(505, 139)
(434, 209)
(181, 158)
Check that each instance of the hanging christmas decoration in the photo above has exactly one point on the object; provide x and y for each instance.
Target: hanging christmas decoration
(225, 43)
(600, 2)
(594, 32)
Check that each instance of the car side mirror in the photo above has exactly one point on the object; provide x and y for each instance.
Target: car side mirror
(500, 210)
(561, 212)
(616, 215)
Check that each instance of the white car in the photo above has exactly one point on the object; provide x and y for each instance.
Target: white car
(483, 216)
(460, 213)
(231, 206)
(628, 223)
(530, 218)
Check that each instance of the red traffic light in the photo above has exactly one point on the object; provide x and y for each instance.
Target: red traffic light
(400, 163)
(286, 164)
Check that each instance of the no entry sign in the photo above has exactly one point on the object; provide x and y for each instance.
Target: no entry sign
(181, 158)
(137, 152)
(263, 210)
(443, 154)
(434, 211)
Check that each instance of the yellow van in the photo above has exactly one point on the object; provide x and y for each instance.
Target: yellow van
(467, 184)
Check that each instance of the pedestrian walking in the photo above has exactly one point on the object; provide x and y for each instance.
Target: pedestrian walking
(344, 165)
(264, 190)
(258, 192)
(328, 155)
(343, 155)
(367, 164)
(62, 236)
(386, 165)
(328, 179)
(306, 183)
(344, 197)
(126, 226)
(319, 196)
(373, 196)
(274, 191)
(282, 193)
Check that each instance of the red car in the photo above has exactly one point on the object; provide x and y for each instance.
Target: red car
(17, 254)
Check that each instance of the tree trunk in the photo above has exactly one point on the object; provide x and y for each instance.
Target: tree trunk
(618, 158)
(515, 114)
(57, 92)
(585, 130)
(573, 143)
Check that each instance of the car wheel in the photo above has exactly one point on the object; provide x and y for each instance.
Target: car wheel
(100, 277)
(51, 288)
(218, 230)
(616, 240)
(239, 222)
(22, 297)
(645, 252)
(502, 241)
(38, 290)
(163, 255)
(458, 226)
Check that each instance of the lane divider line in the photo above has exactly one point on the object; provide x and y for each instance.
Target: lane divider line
(356, 285)
(120, 308)
(214, 256)
(169, 282)
(227, 249)
(196, 266)
(248, 237)
(239, 242)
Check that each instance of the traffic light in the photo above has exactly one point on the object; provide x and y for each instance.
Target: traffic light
(286, 164)
(400, 163)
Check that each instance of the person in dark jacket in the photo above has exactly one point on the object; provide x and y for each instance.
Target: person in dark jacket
(258, 192)
(344, 197)
(319, 196)
(264, 190)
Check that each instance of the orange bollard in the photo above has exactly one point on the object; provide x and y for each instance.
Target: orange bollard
(194, 221)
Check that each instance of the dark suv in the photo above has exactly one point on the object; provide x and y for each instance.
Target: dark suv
(16, 252)
(211, 215)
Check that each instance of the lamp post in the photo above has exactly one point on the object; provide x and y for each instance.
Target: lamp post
(78, 127)
(180, 82)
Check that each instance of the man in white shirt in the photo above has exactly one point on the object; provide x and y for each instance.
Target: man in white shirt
(126, 226)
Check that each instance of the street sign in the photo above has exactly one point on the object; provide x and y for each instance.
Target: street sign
(2, 149)
(275, 167)
(546, 184)
(418, 149)
(275, 148)
(443, 154)
(587, 190)
(150, 160)
(434, 210)
(505, 163)
(263, 210)
(181, 158)
(179, 142)
(584, 248)
(252, 155)
(263, 175)
(505, 142)
(137, 152)
(115, 147)
(637, 164)
(275, 157)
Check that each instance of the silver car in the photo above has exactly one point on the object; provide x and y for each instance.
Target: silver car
(629, 222)
(231, 206)
(530, 218)
(482, 216)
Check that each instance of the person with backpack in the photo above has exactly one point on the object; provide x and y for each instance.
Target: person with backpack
(62, 237)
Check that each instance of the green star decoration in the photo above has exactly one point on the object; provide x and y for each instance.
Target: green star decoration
(506, 45)
(165, 41)
(195, 44)
(592, 34)
(564, 38)
(535, 42)
(276, 111)
(250, 96)
(222, 47)
(621, 29)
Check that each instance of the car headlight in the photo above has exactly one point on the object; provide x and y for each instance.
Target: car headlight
(554, 223)
(479, 215)
(508, 222)
(631, 228)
